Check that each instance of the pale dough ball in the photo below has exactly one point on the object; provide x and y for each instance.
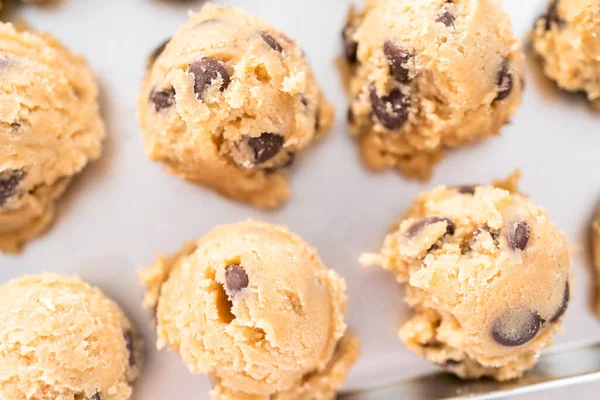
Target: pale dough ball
(252, 306)
(62, 339)
(567, 38)
(426, 75)
(487, 275)
(50, 128)
(229, 102)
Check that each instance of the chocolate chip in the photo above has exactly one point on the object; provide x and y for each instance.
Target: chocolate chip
(516, 327)
(129, 343)
(563, 305)
(552, 16)
(272, 42)
(350, 45)
(504, 81)
(518, 237)
(236, 278)
(96, 397)
(421, 224)
(9, 181)
(446, 18)
(15, 126)
(205, 72)
(162, 98)
(391, 110)
(303, 100)
(466, 189)
(266, 146)
(397, 58)
(157, 52)
(485, 228)
(350, 116)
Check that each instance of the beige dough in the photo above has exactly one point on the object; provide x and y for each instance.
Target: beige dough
(50, 128)
(567, 38)
(427, 75)
(488, 277)
(229, 103)
(252, 306)
(62, 339)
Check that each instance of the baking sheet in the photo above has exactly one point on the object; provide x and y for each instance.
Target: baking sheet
(124, 208)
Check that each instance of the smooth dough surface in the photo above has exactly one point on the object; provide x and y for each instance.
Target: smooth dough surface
(62, 339)
(229, 102)
(428, 75)
(50, 128)
(567, 38)
(263, 294)
(487, 274)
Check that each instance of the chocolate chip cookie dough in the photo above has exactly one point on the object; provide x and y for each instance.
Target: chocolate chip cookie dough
(567, 38)
(50, 128)
(488, 276)
(427, 75)
(252, 306)
(63, 339)
(229, 103)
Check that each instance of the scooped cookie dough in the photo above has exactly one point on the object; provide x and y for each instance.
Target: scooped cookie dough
(229, 102)
(50, 128)
(488, 276)
(63, 339)
(427, 75)
(567, 38)
(252, 306)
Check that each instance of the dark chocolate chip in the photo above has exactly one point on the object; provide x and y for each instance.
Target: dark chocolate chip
(303, 100)
(96, 397)
(350, 116)
(350, 45)
(129, 343)
(516, 327)
(485, 228)
(504, 81)
(157, 52)
(266, 146)
(391, 110)
(421, 224)
(397, 58)
(205, 72)
(271, 41)
(446, 18)
(466, 189)
(15, 126)
(9, 182)
(518, 237)
(162, 98)
(552, 16)
(236, 278)
(563, 305)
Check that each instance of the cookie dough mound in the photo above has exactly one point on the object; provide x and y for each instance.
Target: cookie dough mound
(488, 276)
(252, 306)
(63, 339)
(229, 102)
(426, 75)
(50, 128)
(567, 38)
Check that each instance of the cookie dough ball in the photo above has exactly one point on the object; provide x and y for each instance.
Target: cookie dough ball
(567, 38)
(50, 128)
(252, 306)
(426, 75)
(60, 338)
(229, 102)
(487, 275)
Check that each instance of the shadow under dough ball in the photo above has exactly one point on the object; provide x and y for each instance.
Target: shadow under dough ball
(228, 102)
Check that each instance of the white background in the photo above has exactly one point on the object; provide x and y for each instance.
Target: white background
(124, 208)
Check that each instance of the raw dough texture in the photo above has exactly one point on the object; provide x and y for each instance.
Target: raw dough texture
(229, 102)
(50, 128)
(252, 306)
(426, 75)
(487, 275)
(567, 38)
(62, 339)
